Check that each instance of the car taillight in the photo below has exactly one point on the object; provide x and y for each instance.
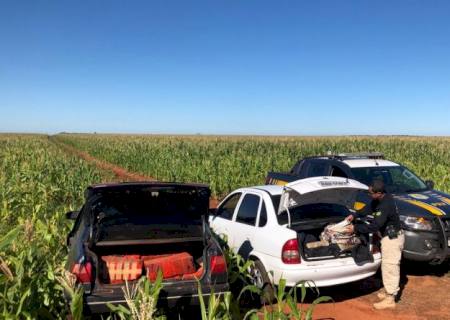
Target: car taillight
(83, 272)
(218, 265)
(290, 253)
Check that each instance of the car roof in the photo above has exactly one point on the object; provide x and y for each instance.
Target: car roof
(273, 190)
(361, 163)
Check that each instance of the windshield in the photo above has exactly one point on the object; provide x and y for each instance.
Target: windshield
(396, 179)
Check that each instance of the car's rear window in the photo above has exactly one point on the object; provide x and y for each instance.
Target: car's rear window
(311, 212)
(276, 201)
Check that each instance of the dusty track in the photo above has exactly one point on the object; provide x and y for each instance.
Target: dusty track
(425, 289)
(120, 173)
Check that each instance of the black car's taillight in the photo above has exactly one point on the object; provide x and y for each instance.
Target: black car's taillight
(218, 264)
(83, 272)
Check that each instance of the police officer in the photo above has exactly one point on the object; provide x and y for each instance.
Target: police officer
(384, 219)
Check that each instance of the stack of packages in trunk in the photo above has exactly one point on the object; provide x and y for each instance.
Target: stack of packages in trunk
(121, 268)
(177, 266)
(336, 233)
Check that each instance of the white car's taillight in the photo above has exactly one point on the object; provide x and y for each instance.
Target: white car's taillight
(290, 253)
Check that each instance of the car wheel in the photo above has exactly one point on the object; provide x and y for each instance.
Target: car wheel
(260, 279)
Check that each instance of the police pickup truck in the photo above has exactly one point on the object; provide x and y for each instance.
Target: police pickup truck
(424, 212)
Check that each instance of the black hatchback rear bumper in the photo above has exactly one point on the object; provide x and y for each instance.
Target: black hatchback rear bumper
(180, 296)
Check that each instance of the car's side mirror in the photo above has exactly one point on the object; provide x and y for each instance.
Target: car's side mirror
(72, 215)
(430, 184)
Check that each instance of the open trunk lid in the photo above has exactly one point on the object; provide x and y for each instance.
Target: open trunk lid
(323, 190)
(148, 212)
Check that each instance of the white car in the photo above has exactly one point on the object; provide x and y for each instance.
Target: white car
(271, 225)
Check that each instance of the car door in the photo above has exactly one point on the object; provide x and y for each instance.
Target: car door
(220, 221)
(244, 223)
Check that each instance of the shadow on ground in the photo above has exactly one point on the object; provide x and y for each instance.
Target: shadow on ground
(373, 284)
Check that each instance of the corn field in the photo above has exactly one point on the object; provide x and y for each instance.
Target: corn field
(227, 163)
(39, 182)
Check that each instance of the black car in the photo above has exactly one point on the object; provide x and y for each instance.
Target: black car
(424, 212)
(128, 230)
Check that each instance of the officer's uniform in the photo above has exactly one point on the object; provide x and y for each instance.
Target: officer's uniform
(384, 219)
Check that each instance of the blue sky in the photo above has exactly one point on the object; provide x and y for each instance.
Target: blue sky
(226, 67)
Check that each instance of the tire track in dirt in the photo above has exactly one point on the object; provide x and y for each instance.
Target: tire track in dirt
(120, 173)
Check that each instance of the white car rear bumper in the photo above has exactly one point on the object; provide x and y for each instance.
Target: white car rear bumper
(323, 273)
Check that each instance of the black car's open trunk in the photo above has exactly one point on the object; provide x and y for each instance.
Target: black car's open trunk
(141, 230)
(177, 259)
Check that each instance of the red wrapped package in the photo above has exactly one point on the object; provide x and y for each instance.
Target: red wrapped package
(121, 268)
(172, 266)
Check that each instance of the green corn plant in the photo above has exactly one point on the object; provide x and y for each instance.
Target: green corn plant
(296, 311)
(220, 306)
(287, 305)
(141, 299)
(74, 292)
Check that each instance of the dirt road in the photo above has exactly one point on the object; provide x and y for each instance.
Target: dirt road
(425, 295)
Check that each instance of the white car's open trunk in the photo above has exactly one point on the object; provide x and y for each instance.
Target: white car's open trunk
(309, 205)
(310, 234)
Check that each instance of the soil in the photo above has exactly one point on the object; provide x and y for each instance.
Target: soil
(425, 294)
(425, 289)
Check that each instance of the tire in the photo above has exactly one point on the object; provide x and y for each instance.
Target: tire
(261, 280)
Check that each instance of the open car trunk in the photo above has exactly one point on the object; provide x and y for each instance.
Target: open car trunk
(177, 260)
(142, 230)
(309, 205)
(310, 245)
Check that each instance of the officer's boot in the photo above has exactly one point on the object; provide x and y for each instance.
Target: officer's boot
(388, 302)
(382, 294)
